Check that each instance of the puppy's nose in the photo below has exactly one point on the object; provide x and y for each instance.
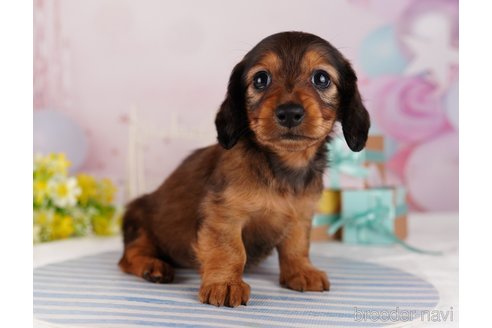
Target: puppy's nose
(289, 115)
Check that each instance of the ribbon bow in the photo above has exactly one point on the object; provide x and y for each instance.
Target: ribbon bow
(373, 219)
(344, 161)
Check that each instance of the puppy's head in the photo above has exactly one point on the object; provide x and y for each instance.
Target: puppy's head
(288, 91)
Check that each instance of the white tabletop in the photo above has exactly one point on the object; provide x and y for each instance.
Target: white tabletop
(436, 231)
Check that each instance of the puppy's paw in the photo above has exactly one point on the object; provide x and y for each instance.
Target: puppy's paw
(230, 294)
(157, 271)
(306, 279)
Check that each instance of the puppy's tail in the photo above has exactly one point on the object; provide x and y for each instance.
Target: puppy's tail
(134, 218)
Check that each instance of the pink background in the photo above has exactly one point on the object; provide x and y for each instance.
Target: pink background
(95, 59)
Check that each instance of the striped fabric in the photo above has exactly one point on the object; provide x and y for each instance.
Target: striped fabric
(92, 292)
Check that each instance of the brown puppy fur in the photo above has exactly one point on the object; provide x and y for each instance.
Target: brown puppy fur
(234, 202)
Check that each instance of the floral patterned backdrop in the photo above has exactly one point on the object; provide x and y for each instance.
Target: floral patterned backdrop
(95, 60)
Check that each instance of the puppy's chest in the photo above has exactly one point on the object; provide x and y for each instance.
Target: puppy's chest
(262, 233)
(269, 220)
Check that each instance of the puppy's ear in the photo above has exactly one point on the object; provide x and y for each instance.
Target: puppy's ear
(231, 120)
(353, 115)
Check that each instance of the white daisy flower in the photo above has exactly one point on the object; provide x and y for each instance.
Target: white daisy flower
(64, 191)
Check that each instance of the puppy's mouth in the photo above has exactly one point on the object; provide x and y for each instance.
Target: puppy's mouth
(295, 137)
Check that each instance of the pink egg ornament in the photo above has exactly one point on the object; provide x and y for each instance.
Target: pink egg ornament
(431, 173)
(406, 108)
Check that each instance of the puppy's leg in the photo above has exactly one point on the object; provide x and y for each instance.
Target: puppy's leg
(140, 258)
(296, 270)
(140, 255)
(222, 257)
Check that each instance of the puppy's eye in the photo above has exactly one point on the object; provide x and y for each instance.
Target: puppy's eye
(320, 79)
(261, 80)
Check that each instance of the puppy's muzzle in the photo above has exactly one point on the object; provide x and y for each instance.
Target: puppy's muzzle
(289, 115)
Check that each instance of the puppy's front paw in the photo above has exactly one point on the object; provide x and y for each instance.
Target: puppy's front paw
(306, 279)
(230, 294)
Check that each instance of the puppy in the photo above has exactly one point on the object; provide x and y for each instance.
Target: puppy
(230, 204)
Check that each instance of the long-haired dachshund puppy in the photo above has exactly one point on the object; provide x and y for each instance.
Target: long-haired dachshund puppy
(230, 204)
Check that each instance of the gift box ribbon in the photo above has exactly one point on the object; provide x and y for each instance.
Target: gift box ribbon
(344, 161)
(372, 219)
(375, 156)
(325, 219)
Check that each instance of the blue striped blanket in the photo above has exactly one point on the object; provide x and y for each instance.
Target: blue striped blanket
(92, 292)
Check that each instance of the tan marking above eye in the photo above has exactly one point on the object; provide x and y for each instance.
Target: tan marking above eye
(269, 62)
(313, 61)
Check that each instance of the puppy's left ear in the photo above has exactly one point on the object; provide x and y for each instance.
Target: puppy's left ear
(353, 115)
(231, 120)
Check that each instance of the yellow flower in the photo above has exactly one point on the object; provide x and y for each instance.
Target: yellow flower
(107, 222)
(40, 162)
(51, 164)
(88, 186)
(81, 220)
(59, 163)
(43, 217)
(40, 191)
(63, 191)
(66, 206)
(62, 226)
(43, 220)
(102, 225)
(106, 191)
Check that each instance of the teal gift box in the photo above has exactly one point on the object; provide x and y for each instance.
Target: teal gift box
(373, 216)
(359, 170)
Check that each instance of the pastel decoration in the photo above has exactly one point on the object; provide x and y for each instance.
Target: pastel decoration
(364, 212)
(380, 53)
(327, 213)
(374, 129)
(409, 20)
(344, 162)
(432, 172)
(329, 202)
(54, 132)
(375, 216)
(375, 149)
(392, 146)
(389, 9)
(407, 109)
(375, 175)
(398, 161)
(433, 54)
(392, 179)
(451, 104)
(320, 219)
(375, 160)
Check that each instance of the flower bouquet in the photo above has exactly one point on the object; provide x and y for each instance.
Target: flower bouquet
(66, 206)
